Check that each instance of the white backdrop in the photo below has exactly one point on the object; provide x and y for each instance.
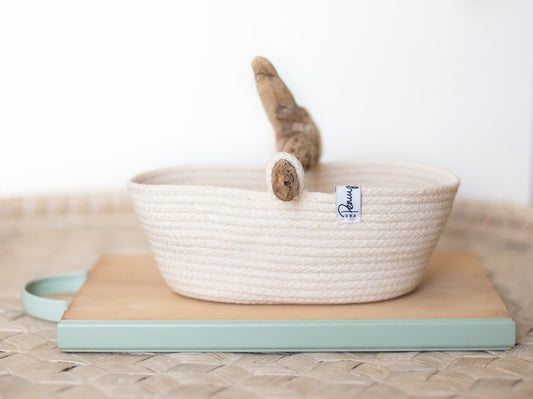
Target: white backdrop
(94, 92)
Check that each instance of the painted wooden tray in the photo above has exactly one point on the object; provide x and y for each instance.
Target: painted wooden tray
(124, 305)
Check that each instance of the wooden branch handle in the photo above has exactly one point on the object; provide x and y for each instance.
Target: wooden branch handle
(296, 132)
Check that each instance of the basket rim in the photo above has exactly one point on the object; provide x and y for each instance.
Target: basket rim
(450, 182)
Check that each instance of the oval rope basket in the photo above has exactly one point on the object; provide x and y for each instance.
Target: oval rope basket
(218, 234)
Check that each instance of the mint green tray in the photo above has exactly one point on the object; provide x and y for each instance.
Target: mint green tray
(258, 335)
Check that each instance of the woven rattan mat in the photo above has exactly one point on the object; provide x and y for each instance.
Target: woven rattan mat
(42, 236)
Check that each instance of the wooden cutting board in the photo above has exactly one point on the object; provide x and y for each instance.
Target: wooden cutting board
(124, 305)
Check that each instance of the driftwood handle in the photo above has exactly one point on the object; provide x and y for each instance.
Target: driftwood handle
(296, 132)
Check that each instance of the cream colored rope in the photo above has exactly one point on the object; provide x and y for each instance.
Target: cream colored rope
(218, 234)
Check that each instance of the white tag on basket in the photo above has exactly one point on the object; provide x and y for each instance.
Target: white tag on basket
(348, 204)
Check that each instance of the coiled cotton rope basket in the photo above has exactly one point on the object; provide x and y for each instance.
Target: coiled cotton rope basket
(218, 234)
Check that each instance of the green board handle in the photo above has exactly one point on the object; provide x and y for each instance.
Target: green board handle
(33, 298)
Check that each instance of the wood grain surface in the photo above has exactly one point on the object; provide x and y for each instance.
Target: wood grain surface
(131, 288)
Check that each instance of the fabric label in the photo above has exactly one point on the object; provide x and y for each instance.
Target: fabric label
(348, 204)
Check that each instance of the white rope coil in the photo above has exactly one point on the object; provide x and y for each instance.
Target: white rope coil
(219, 234)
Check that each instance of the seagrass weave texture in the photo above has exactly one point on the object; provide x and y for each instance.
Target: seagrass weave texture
(218, 234)
(40, 236)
